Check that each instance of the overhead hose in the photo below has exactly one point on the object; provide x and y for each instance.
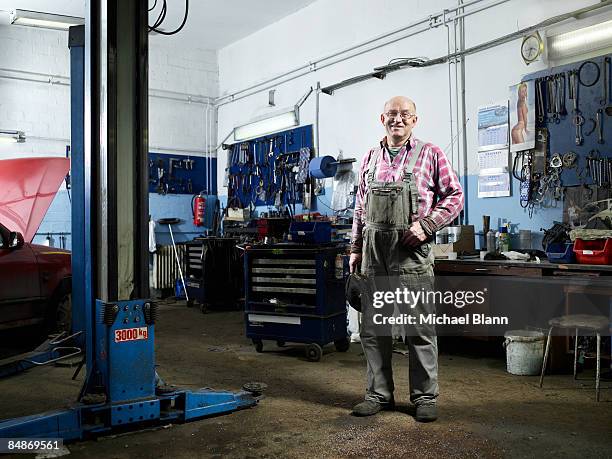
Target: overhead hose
(158, 22)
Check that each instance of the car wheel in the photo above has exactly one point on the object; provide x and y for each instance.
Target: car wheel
(63, 314)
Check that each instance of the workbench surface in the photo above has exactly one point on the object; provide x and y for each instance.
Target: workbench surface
(543, 265)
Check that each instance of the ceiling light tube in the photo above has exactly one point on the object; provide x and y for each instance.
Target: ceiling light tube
(44, 20)
(580, 41)
(267, 125)
(12, 136)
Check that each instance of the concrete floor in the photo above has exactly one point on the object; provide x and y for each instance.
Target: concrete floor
(484, 411)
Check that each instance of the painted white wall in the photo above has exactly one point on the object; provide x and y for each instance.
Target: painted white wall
(490, 73)
(349, 118)
(43, 110)
(178, 124)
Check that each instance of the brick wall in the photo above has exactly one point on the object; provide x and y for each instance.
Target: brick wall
(42, 110)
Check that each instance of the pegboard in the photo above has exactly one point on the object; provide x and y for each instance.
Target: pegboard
(267, 171)
(593, 95)
(188, 174)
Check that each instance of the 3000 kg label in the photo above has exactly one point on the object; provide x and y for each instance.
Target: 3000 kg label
(131, 334)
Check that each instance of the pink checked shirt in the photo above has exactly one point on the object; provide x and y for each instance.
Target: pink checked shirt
(440, 193)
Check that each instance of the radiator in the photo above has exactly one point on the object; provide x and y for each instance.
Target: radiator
(165, 271)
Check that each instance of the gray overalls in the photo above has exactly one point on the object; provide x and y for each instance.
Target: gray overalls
(390, 208)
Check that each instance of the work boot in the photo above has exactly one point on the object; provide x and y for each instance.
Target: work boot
(427, 412)
(370, 407)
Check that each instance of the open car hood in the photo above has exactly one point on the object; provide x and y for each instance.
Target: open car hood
(27, 187)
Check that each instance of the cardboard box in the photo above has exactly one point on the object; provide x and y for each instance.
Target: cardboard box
(465, 243)
(239, 215)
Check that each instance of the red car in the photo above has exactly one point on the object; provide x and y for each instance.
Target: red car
(35, 280)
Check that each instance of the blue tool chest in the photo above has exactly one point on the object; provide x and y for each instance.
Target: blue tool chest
(295, 293)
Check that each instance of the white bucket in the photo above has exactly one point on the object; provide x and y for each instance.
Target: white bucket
(524, 352)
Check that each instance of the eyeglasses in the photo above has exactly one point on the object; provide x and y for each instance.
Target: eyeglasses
(404, 114)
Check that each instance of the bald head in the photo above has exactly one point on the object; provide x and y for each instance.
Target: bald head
(398, 117)
(400, 101)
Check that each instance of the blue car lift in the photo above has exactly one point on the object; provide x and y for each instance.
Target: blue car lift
(52, 350)
(109, 62)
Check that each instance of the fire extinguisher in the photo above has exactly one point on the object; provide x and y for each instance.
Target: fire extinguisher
(198, 207)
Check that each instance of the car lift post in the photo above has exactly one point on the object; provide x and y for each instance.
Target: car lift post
(110, 256)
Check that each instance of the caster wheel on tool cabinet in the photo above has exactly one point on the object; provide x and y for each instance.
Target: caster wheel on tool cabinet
(342, 345)
(258, 345)
(280, 343)
(204, 308)
(314, 352)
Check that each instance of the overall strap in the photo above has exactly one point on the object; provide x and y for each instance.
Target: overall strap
(372, 166)
(408, 172)
(409, 169)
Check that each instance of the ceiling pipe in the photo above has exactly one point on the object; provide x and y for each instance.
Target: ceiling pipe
(60, 80)
(433, 20)
(224, 100)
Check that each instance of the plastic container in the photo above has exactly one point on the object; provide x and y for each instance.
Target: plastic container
(491, 241)
(524, 352)
(597, 252)
(309, 232)
(179, 291)
(525, 239)
(561, 252)
(442, 236)
(503, 241)
(454, 233)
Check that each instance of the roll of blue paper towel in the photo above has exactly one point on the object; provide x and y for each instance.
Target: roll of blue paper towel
(323, 167)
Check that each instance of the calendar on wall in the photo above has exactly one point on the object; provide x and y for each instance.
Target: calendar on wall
(494, 185)
(493, 126)
(493, 151)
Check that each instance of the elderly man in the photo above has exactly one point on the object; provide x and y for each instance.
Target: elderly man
(407, 191)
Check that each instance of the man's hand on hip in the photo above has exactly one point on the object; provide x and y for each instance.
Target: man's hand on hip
(414, 236)
(354, 262)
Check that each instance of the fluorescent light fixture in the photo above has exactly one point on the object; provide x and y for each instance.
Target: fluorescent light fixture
(267, 125)
(580, 41)
(12, 136)
(44, 20)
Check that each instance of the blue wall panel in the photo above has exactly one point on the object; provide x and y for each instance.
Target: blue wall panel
(182, 178)
(57, 222)
(509, 208)
(562, 134)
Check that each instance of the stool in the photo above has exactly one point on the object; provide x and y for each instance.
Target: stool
(577, 322)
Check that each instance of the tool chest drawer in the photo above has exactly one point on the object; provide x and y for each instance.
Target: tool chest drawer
(285, 280)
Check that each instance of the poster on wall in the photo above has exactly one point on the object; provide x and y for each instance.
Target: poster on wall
(522, 116)
(493, 126)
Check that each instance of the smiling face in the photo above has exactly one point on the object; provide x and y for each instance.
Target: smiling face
(399, 117)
